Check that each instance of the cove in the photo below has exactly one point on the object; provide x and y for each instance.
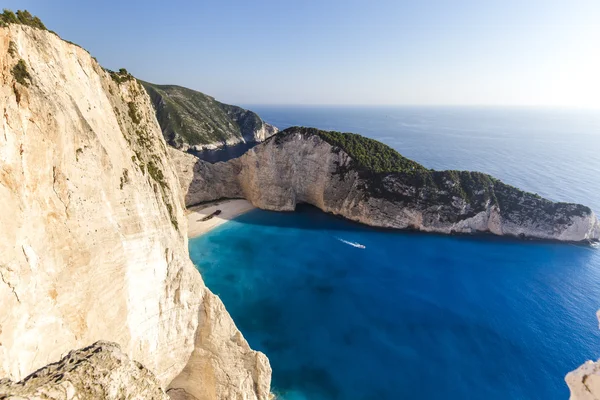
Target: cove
(409, 316)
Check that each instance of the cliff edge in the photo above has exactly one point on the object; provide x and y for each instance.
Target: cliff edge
(368, 182)
(93, 244)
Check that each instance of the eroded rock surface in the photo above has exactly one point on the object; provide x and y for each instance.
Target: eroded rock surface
(97, 372)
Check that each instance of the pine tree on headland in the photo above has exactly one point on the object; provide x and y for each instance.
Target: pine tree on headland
(22, 17)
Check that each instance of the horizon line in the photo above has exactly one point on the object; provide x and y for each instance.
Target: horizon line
(530, 106)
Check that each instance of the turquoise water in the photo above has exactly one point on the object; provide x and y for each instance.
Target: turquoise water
(418, 315)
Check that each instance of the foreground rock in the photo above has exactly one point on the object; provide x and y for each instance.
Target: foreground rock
(100, 371)
(93, 243)
(193, 120)
(584, 382)
(378, 187)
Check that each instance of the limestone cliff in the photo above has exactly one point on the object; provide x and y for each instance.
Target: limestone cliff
(584, 382)
(93, 243)
(190, 119)
(377, 186)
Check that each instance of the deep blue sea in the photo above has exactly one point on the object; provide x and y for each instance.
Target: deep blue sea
(418, 315)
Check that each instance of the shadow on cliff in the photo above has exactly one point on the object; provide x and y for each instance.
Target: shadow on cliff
(224, 153)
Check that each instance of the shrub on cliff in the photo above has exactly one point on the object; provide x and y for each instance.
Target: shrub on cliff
(26, 18)
(21, 74)
(121, 76)
(133, 112)
(22, 17)
(8, 17)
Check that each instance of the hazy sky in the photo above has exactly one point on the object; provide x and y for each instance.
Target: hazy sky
(459, 52)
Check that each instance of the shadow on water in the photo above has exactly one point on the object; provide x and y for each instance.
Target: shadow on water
(309, 217)
(305, 216)
(224, 153)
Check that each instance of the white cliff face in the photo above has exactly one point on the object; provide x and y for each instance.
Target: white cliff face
(222, 366)
(584, 382)
(265, 132)
(93, 242)
(300, 168)
(202, 181)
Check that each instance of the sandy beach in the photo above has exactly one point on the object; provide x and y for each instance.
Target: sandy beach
(229, 209)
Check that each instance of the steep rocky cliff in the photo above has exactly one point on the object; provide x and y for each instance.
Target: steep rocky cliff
(93, 243)
(584, 382)
(368, 182)
(190, 119)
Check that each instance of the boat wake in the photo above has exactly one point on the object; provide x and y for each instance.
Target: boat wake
(353, 244)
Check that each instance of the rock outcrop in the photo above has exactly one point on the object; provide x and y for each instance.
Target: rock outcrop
(93, 244)
(584, 382)
(100, 371)
(378, 187)
(193, 120)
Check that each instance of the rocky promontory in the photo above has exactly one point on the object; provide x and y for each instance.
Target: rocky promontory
(368, 182)
(192, 120)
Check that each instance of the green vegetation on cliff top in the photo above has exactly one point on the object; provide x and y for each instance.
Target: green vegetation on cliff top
(193, 118)
(375, 161)
(368, 153)
(120, 76)
(22, 17)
